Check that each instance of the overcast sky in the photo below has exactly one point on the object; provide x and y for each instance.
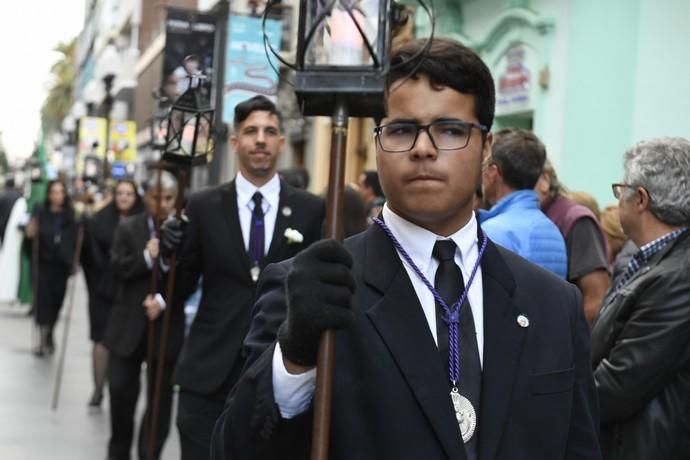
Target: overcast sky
(28, 33)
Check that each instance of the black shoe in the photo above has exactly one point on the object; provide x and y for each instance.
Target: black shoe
(96, 399)
(50, 341)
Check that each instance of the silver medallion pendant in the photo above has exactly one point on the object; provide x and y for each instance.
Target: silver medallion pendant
(255, 271)
(465, 414)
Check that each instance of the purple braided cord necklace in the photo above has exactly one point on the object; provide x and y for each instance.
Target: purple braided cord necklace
(451, 314)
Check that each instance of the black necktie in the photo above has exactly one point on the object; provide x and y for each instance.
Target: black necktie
(256, 232)
(449, 284)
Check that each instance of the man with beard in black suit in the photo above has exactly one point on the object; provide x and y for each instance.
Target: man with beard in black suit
(135, 249)
(234, 231)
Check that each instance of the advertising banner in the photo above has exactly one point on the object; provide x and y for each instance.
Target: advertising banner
(187, 33)
(123, 140)
(92, 136)
(248, 71)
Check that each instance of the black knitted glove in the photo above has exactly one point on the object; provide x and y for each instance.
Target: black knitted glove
(173, 232)
(319, 297)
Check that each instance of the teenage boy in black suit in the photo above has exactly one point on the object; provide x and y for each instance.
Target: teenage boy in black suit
(135, 249)
(447, 346)
(234, 231)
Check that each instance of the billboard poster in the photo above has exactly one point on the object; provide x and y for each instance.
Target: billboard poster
(187, 33)
(514, 85)
(123, 140)
(92, 136)
(248, 71)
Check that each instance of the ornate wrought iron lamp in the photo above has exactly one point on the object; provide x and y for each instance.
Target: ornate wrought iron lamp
(189, 137)
(158, 127)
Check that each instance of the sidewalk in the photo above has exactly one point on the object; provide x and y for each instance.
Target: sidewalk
(29, 428)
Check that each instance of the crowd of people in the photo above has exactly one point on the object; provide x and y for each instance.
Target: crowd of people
(481, 309)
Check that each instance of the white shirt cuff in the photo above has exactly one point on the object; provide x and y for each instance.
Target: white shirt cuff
(164, 266)
(147, 258)
(292, 392)
(161, 301)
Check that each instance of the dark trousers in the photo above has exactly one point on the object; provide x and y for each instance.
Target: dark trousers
(197, 414)
(124, 384)
(52, 284)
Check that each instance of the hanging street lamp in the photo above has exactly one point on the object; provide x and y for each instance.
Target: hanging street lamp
(109, 64)
(158, 126)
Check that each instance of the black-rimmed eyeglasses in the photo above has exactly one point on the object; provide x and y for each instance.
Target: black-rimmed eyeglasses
(444, 135)
(617, 189)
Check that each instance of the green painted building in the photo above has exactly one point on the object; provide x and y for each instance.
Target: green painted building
(590, 77)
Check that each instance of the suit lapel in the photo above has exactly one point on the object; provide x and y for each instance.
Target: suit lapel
(399, 320)
(232, 220)
(143, 233)
(503, 345)
(282, 223)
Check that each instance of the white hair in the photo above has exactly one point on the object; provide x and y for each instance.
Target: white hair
(168, 181)
(662, 167)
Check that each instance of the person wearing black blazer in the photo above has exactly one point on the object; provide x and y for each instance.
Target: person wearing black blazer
(134, 251)
(95, 257)
(55, 226)
(447, 346)
(229, 239)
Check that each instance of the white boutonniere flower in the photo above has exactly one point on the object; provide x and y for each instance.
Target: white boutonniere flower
(293, 236)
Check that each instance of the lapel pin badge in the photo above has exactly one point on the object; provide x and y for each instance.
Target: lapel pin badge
(287, 211)
(523, 321)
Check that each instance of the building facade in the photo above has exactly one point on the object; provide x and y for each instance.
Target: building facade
(591, 78)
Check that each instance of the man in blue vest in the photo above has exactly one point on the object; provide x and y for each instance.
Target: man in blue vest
(515, 221)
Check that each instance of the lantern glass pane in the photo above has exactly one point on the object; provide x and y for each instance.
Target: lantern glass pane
(203, 136)
(160, 132)
(36, 173)
(338, 40)
(90, 168)
(177, 129)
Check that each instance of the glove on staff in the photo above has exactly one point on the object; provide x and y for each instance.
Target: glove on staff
(319, 297)
(173, 232)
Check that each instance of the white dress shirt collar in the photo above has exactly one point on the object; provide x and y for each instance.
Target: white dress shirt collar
(419, 242)
(270, 192)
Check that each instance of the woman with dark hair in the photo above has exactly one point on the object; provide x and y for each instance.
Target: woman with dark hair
(100, 230)
(55, 227)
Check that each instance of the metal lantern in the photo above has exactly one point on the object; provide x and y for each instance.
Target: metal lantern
(159, 129)
(92, 168)
(189, 136)
(342, 53)
(35, 170)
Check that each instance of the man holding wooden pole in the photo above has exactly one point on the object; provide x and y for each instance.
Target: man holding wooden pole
(446, 345)
(135, 251)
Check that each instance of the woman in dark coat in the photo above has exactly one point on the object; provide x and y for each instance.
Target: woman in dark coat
(55, 227)
(100, 230)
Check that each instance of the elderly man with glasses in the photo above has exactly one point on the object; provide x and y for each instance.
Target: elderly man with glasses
(640, 340)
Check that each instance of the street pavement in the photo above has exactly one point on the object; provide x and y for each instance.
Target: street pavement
(29, 427)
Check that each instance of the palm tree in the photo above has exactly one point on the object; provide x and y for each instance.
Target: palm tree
(59, 100)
